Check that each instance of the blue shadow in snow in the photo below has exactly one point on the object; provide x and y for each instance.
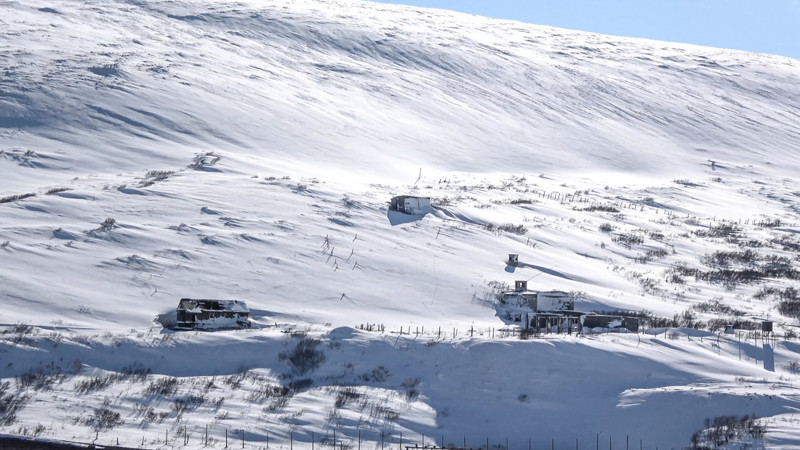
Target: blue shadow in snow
(398, 218)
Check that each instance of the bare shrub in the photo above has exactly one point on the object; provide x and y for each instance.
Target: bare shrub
(154, 176)
(652, 254)
(300, 188)
(716, 306)
(606, 227)
(203, 161)
(20, 333)
(136, 371)
(409, 386)
(268, 391)
(376, 375)
(109, 224)
(521, 201)
(722, 230)
(162, 386)
(104, 419)
(41, 378)
(299, 385)
(769, 223)
(97, 383)
(628, 240)
(276, 404)
(57, 190)
(787, 242)
(13, 198)
(344, 396)
(723, 430)
(10, 403)
(790, 308)
(511, 228)
(188, 403)
(601, 208)
(723, 259)
(146, 413)
(304, 357)
(235, 381)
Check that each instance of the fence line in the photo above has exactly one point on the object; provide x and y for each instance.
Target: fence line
(443, 334)
(232, 438)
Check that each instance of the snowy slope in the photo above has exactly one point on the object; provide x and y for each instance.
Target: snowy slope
(159, 150)
(324, 84)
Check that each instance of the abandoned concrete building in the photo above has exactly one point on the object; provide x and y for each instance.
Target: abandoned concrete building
(408, 204)
(554, 311)
(537, 300)
(212, 314)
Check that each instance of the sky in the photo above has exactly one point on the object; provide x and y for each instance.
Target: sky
(763, 26)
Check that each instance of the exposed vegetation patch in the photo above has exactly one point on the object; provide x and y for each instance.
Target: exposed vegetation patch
(109, 224)
(268, 391)
(304, 357)
(376, 375)
(57, 190)
(155, 176)
(187, 403)
(11, 402)
(409, 386)
(722, 230)
(204, 161)
(14, 198)
(163, 387)
(601, 208)
(724, 259)
(104, 419)
(716, 306)
(628, 240)
(733, 268)
(723, 430)
(507, 227)
(651, 255)
(686, 183)
(521, 201)
(96, 383)
(606, 227)
(346, 395)
(686, 319)
(787, 243)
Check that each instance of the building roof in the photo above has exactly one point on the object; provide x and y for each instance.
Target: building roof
(200, 305)
(410, 196)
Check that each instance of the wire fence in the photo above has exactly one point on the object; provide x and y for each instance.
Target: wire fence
(443, 334)
(232, 438)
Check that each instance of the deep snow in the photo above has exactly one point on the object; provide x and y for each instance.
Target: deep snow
(248, 151)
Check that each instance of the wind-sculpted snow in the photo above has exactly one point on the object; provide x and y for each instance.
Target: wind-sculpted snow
(395, 89)
(151, 151)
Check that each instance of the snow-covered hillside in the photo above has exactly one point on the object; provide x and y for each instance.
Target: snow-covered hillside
(130, 85)
(159, 150)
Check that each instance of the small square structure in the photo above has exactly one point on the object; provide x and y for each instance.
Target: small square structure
(212, 314)
(408, 204)
(513, 259)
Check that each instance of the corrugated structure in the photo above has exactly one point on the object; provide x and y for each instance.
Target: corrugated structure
(212, 314)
